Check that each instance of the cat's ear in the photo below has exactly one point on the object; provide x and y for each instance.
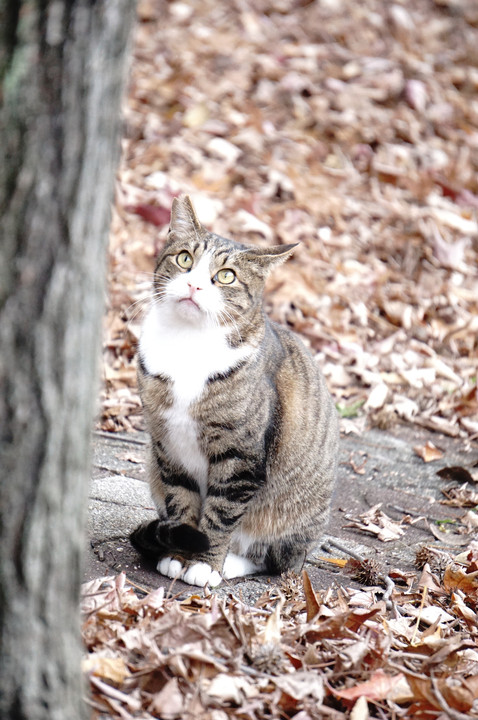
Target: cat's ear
(183, 217)
(267, 258)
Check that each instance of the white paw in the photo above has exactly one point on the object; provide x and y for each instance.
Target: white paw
(169, 567)
(237, 566)
(200, 574)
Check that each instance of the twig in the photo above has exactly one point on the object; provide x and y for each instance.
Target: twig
(120, 437)
(323, 563)
(407, 670)
(342, 548)
(422, 604)
(138, 587)
(386, 579)
(108, 691)
(453, 714)
(390, 587)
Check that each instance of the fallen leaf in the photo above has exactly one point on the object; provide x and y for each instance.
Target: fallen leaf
(135, 458)
(230, 688)
(429, 581)
(272, 630)
(377, 397)
(456, 578)
(378, 523)
(462, 610)
(312, 604)
(336, 625)
(169, 701)
(470, 520)
(196, 115)
(444, 532)
(460, 496)
(360, 709)
(428, 452)
(456, 473)
(377, 688)
(300, 685)
(111, 669)
(153, 214)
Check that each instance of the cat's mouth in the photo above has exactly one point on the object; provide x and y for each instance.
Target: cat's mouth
(189, 302)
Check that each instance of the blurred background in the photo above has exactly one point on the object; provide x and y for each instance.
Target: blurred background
(349, 126)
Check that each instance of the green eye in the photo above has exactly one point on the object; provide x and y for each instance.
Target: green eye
(184, 260)
(225, 277)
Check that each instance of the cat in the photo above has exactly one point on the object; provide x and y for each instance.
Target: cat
(244, 433)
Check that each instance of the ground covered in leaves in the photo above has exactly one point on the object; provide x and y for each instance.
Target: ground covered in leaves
(409, 653)
(350, 127)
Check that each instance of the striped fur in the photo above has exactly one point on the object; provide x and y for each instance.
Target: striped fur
(243, 430)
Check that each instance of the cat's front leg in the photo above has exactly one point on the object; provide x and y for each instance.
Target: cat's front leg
(225, 504)
(231, 487)
(177, 498)
(174, 492)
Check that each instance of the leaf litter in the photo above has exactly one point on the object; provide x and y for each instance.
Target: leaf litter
(353, 129)
(349, 127)
(296, 653)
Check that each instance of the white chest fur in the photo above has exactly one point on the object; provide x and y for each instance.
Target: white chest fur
(188, 354)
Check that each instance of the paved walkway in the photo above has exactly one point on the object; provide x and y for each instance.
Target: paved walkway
(376, 467)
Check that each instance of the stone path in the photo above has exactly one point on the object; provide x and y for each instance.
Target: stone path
(376, 467)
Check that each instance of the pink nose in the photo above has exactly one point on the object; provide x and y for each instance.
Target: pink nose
(193, 288)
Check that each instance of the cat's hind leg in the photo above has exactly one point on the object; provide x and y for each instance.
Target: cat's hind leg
(286, 554)
(238, 566)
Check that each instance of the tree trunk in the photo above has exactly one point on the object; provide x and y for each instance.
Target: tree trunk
(62, 66)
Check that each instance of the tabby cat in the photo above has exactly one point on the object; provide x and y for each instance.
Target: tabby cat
(243, 430)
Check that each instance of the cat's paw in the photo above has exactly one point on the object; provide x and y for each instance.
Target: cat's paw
(238, 566)
(200, 574)
(170, 567)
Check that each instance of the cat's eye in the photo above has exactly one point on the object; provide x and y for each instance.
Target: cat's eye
(184, 260)
(225, 277)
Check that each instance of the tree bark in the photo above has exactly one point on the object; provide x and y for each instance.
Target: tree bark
(62, 68)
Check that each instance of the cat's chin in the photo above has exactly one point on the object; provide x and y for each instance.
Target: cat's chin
(188, 309)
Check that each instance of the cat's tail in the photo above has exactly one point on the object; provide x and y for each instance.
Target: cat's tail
(158, 538)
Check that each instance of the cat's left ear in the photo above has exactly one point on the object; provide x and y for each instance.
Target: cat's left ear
(267, 258)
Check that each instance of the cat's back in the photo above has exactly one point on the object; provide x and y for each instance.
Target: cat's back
(306, 406)
(279, 399)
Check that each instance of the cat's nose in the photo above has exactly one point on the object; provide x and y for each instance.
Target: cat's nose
(193, 288)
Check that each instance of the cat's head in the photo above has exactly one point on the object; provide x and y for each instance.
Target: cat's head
(206, 279)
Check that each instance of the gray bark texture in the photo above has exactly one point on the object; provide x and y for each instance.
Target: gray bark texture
(62, 69)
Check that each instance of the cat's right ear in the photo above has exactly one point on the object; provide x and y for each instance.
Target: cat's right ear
(183, 218)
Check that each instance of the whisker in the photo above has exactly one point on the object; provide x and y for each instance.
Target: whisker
(226, 315)
(141, 306)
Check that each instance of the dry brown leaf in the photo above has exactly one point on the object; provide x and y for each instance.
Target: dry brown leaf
(111, 669)
(229, 688)
(300, 685)
(384, 181)
(428, 452)
(378, 523)
(169, 701)
(460, 496)
(456, 578)
(312, 604)
(429, 581)
(204, 651)
(457, 474)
